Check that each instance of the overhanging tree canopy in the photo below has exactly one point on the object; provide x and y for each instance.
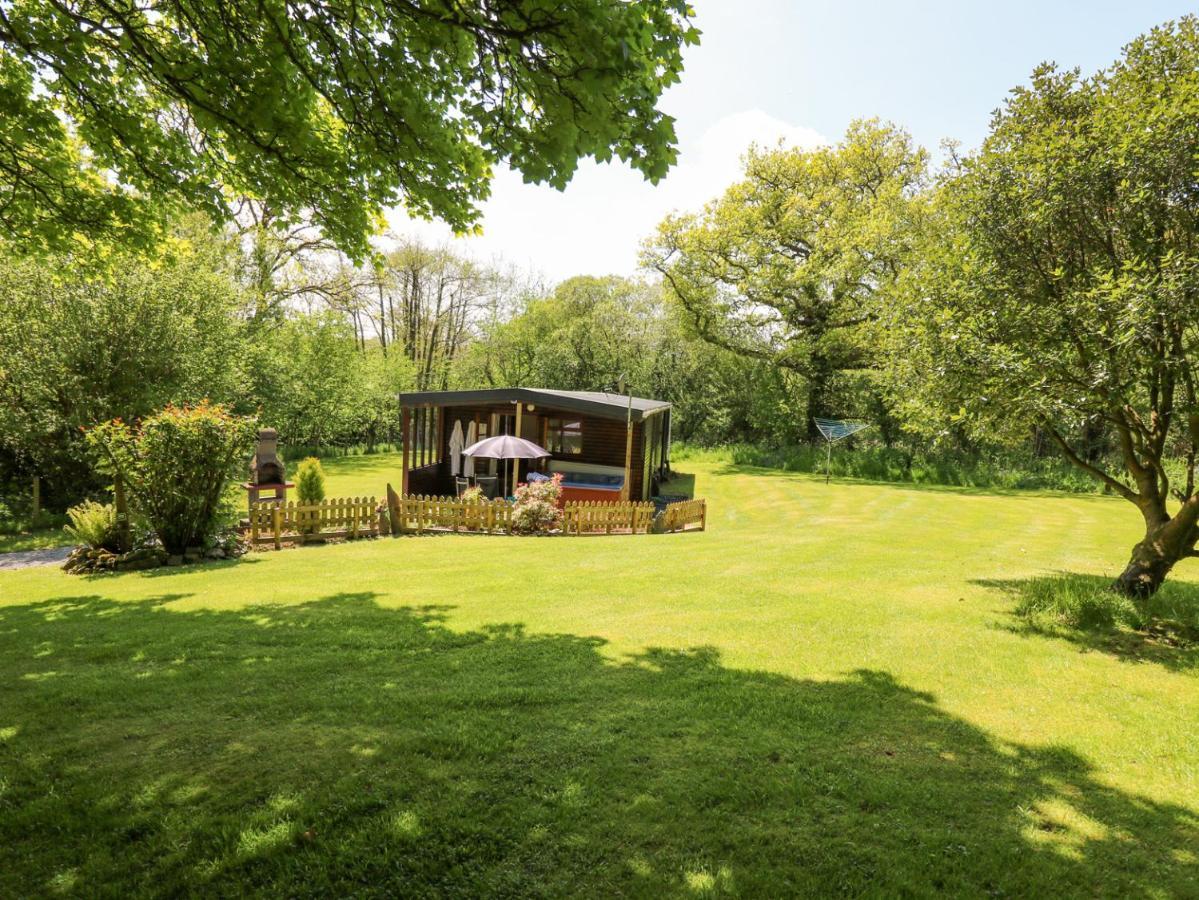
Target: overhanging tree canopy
(112, 110)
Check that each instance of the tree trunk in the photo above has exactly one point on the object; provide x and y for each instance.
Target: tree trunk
(818, 399)
(124, 537)
(1154, 557)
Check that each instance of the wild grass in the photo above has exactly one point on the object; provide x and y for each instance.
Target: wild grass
(1085, 610)
(823, 694)
(874, 462)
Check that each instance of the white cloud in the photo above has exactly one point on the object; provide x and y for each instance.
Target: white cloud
(596, 225)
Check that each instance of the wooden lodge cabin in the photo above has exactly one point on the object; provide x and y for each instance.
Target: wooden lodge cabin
(587, 433)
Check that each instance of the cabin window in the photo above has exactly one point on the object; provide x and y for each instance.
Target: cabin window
(564, 437)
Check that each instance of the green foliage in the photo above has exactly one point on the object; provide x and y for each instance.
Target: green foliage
(113, 117)
(1056, 286)
(176, 465)
(582, 336)
(310, 481)
(93, 524)
(589, 331)
(791, 265)
(313, 383)
(86, 340)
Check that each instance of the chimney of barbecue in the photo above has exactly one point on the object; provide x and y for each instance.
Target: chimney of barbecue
(266, 467)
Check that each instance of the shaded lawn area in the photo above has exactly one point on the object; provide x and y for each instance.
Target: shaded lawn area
(813, 697)
(34, 539)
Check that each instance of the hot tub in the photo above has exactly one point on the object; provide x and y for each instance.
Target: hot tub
(588, 482)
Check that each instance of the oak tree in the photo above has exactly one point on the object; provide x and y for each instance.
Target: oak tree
(787, 266)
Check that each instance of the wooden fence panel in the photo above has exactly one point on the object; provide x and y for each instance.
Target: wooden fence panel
(591, 517)
(419, 513)
(677, 516)
(349, 517)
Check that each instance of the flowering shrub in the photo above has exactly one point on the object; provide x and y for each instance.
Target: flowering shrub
(473, 494)
(536, 509)
(176, 465)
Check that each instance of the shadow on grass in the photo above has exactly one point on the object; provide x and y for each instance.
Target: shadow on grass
(341, 748)
(681, 484)
(1164, 629)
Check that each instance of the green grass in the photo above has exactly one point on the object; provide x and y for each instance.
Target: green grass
(34, 539)
(835, 690)
(360, 476)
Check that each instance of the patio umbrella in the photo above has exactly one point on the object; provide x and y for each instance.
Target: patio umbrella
(505, 446)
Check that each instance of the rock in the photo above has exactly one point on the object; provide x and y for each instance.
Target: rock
(215, 553)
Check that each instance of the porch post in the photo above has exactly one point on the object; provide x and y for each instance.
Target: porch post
(405, 428)
(626, 492)
(437, 454)
(516, 462)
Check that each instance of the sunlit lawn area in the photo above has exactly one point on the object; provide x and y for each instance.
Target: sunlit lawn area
(827, 692)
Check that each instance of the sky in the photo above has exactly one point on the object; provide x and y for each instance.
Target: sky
(799, 72)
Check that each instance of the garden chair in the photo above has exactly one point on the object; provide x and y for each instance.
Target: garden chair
(489, 483)
(460, 485)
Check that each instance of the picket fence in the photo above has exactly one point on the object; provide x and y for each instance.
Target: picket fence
(416, 513)
(678, 516)
(349, 517)
(591, 517)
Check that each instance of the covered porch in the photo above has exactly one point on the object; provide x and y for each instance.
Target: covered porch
(607, 446)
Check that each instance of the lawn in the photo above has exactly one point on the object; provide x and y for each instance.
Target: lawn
(19, 536)
(828, 692)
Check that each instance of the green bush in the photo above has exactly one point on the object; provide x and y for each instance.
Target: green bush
(94, 525)
(176, 465)
(310, 481)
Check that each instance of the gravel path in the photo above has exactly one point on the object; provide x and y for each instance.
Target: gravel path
(23, 559)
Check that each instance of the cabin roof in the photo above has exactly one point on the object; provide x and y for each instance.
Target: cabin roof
(593, 403)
